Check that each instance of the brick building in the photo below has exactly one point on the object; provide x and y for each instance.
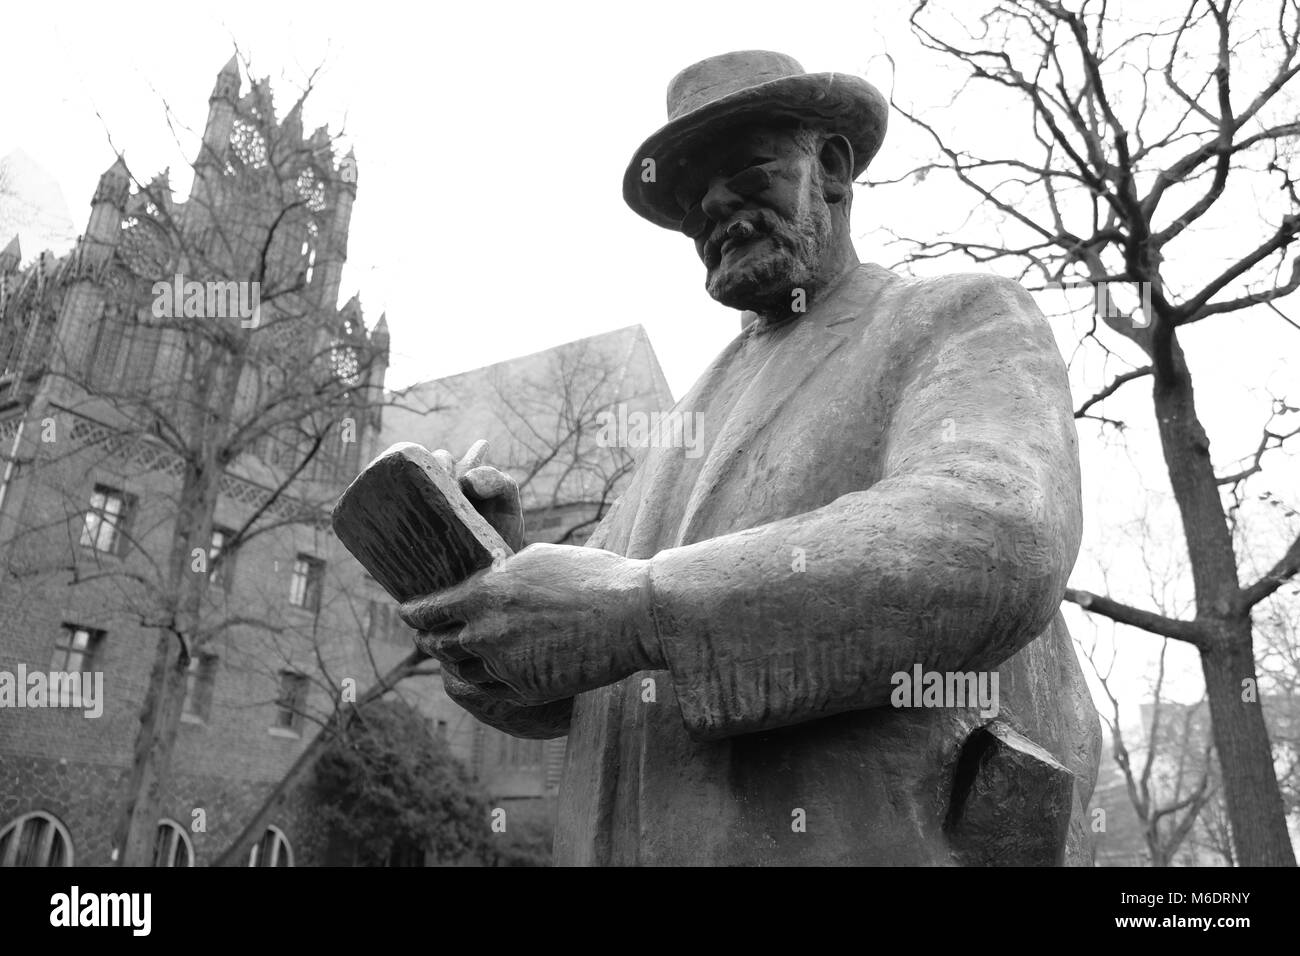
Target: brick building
(540, 414)
(99, 408)
(92, 484)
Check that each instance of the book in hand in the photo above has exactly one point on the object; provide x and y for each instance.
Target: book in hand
(410, 525)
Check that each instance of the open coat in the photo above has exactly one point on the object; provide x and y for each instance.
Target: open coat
(889, 480)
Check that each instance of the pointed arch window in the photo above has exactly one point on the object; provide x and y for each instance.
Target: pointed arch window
(272, 850)
(35, 839)
(172, 845)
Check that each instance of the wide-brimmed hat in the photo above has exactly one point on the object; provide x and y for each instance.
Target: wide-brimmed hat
(719, 94)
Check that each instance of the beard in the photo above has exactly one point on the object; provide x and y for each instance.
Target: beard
(761, 273)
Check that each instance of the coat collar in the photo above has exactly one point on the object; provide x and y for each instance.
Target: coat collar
(798, 352)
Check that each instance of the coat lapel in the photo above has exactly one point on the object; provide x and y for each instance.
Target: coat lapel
(796, 355)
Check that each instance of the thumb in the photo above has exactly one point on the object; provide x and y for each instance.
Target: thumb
(487, 482)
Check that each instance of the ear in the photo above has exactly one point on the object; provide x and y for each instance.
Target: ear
(837, 167)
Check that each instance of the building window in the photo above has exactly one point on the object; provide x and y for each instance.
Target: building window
(304, 590)
(554, 762)
(36, 839)
(383, 624)
(478, 749)
(199, 681)
(528, 752)
(75, 649)
(172, 846)
(517, 752)
(406, 854)
(289, 705)
(105, 527)
(220, 561)
(272, 850)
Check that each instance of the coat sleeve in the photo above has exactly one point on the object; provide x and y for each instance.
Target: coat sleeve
(955, 559)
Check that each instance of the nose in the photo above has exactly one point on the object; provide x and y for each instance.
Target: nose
(719, 201)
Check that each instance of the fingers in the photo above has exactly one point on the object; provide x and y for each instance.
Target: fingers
(459, 648)
(471, 695)
(472, 670)
(445, 645)
(495, 496)
(474, 457)
(487, 482)
(476, 671)
(441, 611)
(445, 461)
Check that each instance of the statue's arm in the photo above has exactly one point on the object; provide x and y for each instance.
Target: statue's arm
(955, 560)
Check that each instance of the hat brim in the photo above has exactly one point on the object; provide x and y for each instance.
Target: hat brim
(840, 102)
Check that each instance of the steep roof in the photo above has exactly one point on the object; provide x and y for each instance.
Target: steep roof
(526, 406)
(11, 255)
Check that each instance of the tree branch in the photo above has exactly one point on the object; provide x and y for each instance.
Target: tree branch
(1187, 631)
(1111, 389)
(1280, 573)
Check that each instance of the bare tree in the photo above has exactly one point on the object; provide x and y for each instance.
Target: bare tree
(414, 664)
(1133, 139)
(1279, 664)
(9, 220)
(1176, 779)
(543, 430)
(1169, 805)
(211, 364)
(550, 421)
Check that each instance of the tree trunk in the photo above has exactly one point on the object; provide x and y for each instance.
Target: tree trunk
(1245, 757)
(160, 718)
(1227, 656)
(160, 715)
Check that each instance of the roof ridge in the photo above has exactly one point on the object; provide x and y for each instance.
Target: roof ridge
(528, 355)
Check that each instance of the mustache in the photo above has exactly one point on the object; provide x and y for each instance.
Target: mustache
(745, 226)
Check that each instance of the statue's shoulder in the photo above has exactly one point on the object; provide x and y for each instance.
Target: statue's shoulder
(962, 295)
(916, 315)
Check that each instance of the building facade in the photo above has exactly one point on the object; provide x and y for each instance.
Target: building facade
(111, 392)
(542, 416)
(115, 408)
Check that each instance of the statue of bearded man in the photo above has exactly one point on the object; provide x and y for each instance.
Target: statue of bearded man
(834, 637)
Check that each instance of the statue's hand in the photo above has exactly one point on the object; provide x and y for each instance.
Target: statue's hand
(550, 622)
(492, 492)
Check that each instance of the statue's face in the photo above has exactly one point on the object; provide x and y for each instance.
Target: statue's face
(754, 207)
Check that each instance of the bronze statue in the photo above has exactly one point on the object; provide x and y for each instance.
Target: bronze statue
(889, 489)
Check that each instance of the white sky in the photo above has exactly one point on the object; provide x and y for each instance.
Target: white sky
(491, 141)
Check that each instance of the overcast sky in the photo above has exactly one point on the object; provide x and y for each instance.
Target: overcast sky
(491, 141)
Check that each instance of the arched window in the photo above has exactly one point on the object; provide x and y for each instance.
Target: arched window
(272, 850)
(35, 839)
(171, 845)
